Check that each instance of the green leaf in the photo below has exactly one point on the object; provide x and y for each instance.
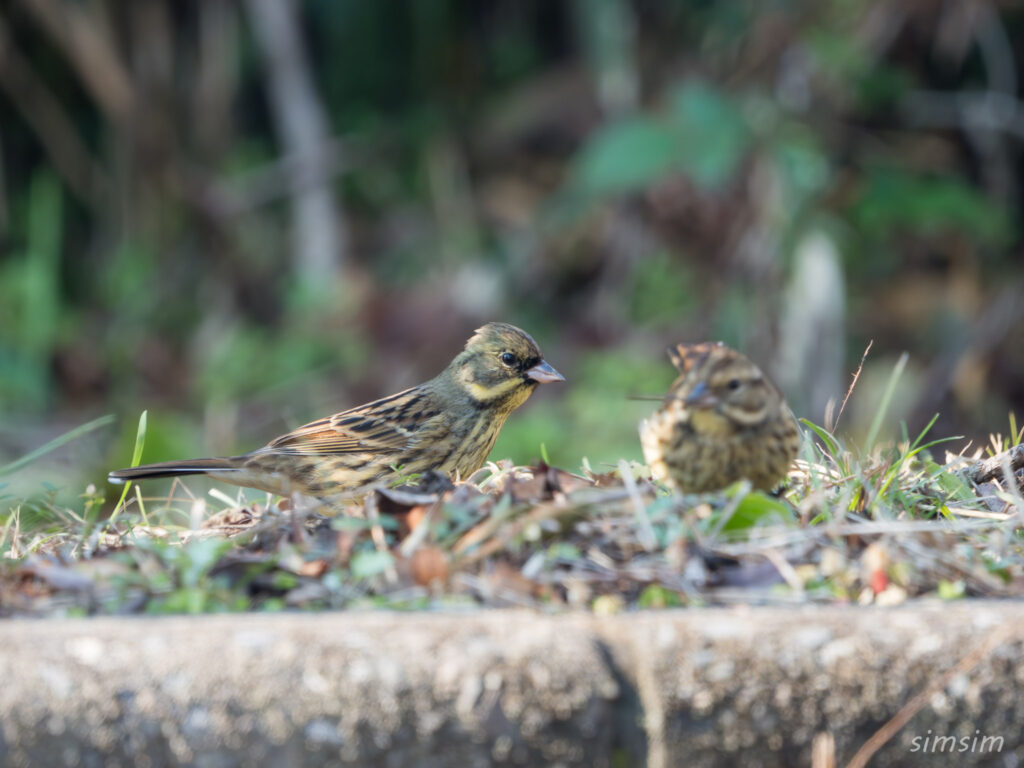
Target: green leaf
(199, 556)
(711, 132)
(563, 550)
(954, 486)
(283, 580)
(755, 509)
(346, 523)
(826, 437)
(997, 567)
(952, 590)
(657, 596)
(802, 164)
(891, 201)
(140, 442)
(370, 563)
(626, 155)
(186, 600)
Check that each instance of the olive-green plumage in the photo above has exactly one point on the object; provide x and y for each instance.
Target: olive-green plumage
(722, 420)
(448, 424)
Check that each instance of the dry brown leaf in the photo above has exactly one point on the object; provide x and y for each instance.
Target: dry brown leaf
(428, 565)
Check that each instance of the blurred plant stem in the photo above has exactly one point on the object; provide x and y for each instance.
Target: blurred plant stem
(82, 35)
(318, 236)
(812, 335)
(607, 31)
(52, 124)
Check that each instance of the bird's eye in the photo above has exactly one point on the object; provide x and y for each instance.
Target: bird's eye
(508, 358)
(733, 384)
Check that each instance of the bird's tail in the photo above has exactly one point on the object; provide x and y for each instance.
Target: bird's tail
(174, 469)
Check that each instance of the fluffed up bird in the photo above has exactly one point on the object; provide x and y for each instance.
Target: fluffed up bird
(448, 424)
(722, 420)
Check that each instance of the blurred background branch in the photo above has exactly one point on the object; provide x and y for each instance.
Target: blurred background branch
(53, 126)
(318, 239)
(80, 33)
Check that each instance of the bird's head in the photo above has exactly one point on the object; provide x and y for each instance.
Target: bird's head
(722, 390)
(501, 365)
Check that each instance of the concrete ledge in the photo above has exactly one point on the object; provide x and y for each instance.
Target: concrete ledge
(694, 687)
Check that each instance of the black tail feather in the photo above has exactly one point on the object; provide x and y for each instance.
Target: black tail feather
(173, 469)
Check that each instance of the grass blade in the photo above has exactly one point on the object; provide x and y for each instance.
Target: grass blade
(924, 432)
(826, 437)
(140, 441)
(56, 443)
(890, 390)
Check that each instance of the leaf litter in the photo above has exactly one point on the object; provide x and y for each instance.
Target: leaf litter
(881, 529)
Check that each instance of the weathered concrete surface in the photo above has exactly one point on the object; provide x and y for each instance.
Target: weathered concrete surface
(689, 687)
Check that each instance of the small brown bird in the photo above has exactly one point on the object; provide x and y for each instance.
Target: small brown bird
(721, 421)
(448, 424)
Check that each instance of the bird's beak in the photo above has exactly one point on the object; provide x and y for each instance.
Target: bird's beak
(544, 373)
(701, 397)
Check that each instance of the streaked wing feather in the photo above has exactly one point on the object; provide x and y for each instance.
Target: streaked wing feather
(368, 428)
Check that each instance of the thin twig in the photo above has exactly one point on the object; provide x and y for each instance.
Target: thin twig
(645, 531)
(539, 513)
(420, 532)
(785, 569)
(853, 383)
(287, 176)
(779, 536)
(377, 534)
(912, 707)
(823, 751)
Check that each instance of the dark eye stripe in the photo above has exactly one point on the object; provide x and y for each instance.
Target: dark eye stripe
(735, 382)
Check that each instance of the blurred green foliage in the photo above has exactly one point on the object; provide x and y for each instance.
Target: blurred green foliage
(702, 134)
(892, 201)
(30, 301)
(179, 578)
(597, 418)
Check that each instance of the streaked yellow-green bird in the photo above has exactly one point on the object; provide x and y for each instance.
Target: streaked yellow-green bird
(448, 424)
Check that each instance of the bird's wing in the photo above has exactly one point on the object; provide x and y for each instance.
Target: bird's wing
(390, 424)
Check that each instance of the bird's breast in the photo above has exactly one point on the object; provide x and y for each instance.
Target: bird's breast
(711, 424)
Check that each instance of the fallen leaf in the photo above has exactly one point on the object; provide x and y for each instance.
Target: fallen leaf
(313, 568)
(428, 565)
(607, 605)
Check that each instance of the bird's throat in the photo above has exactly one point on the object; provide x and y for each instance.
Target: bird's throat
(710, 423)
(491, 393)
